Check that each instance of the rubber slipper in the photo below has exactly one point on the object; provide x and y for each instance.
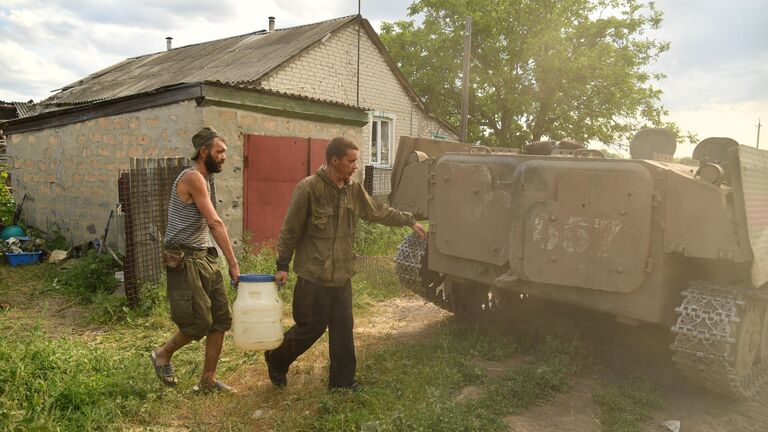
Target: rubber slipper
(164, 372)
(218, 387)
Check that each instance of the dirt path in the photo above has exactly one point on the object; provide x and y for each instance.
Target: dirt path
(623, 351)
(401, 317)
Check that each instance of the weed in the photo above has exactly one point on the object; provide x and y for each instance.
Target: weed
(526, 386)
(372, 239)
(58, 241)
(411, 387)
(626, 404)
(112, 309)
(89, 276)
(60, 384)
(376, 281)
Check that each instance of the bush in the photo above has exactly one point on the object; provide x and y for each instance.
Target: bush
(89, 276)
(377, 240)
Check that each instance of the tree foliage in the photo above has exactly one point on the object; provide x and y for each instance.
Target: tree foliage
(540, 68)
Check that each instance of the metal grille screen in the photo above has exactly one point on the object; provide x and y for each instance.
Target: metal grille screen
(144, 193)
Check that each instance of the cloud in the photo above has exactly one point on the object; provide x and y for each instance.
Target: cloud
(732, 120)
(726, 83)
(716, 67)
(717, 55)
(23, 72)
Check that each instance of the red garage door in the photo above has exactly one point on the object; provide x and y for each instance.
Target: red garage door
(273, 167)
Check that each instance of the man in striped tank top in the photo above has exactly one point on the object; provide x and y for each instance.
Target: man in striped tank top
(196, 291)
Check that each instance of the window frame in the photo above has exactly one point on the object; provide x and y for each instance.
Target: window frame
(378, 117)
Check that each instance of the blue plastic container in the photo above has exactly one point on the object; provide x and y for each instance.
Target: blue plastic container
(24, 258)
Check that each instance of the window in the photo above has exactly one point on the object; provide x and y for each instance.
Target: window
(381, 139)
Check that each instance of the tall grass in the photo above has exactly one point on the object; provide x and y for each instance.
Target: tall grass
(373, 239)
(68, 385)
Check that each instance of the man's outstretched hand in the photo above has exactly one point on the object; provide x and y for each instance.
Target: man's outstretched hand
(420, 230)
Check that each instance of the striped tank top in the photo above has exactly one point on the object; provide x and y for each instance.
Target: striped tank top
(186, 225)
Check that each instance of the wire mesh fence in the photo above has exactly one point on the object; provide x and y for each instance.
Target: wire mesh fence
(144, 191)
(379, 272)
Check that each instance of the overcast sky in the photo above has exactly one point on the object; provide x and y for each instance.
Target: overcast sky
(717, 67)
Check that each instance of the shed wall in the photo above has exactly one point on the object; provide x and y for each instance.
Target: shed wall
(70, 172)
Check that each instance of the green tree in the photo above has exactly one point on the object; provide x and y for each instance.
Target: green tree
(540, 68)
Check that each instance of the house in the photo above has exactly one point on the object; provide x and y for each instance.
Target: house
(278, 95)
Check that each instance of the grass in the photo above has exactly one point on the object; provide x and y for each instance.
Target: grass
(626, 404)
(62, 384)
(89, 276)
(377, 240)
(97, 377)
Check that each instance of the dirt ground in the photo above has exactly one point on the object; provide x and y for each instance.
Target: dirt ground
(624, 349)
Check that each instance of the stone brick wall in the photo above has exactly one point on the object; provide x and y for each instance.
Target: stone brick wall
(70, 172)
(329, 71)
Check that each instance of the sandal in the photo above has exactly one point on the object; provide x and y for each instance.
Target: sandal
(164, 372)
(218, 387)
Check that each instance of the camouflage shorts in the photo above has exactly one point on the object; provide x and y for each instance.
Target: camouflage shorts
(197, 295)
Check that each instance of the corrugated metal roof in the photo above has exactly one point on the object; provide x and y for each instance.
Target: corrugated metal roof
(239, 60)
(24, 109)
(14, 110)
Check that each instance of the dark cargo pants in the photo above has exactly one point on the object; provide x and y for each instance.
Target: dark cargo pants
(315, 308)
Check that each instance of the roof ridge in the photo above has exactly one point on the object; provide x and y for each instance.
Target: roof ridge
(347, 17)
(258, 32)
(262, 31)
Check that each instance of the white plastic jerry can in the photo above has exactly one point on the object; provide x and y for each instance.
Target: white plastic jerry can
(257, 313)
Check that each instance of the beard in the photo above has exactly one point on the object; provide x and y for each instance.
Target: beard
(212, 166)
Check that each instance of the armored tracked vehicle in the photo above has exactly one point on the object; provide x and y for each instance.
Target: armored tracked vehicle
(647, 240)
